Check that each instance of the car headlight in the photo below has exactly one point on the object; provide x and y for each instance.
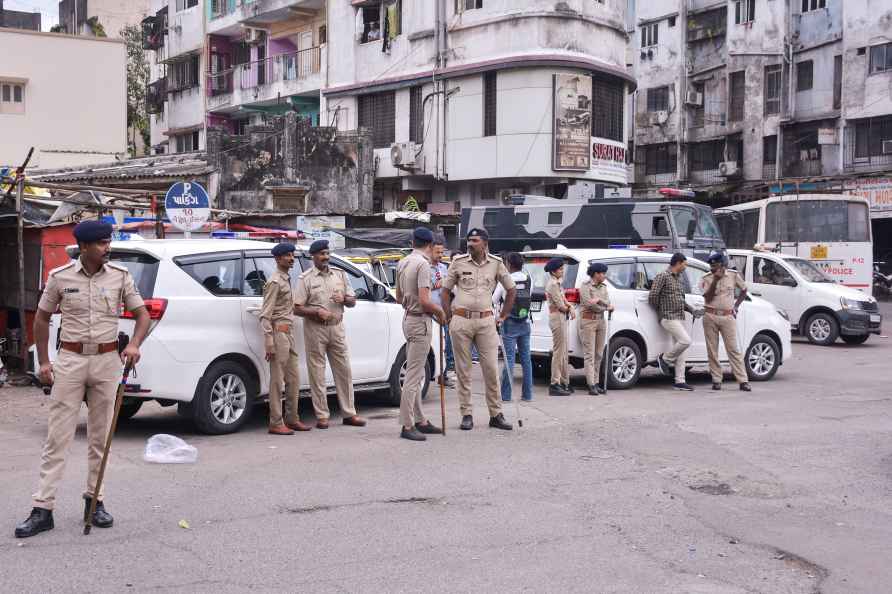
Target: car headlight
(783, 313)
(850, 303)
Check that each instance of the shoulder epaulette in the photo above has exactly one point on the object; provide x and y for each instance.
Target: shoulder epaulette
(306, 272)
(61, 268)
(461, 257)
(494, 257)
(119, 267)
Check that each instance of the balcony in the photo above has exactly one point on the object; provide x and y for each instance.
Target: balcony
(266, 80)
(154, 28)
(156, 95)
(228, 16)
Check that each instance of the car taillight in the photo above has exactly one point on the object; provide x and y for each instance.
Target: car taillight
(155, 307)
(572, 295)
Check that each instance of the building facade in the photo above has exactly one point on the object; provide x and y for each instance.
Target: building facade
(18, 19)
(89, 17)
(469, 101)
(49, 67)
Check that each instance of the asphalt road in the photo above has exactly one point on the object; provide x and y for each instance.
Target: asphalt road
(786, 489)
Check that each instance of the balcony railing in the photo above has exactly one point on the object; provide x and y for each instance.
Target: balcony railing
(156, 95)
(295, 66)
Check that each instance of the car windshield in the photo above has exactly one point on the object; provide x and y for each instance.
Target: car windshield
(817, 221)
(809, 271)
(707, 225)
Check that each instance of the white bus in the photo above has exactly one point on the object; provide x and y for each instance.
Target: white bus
(831, 230)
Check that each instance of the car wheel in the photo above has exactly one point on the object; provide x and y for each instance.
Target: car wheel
(129, 407)
(762, 358)
(624, 363)
(822, 329)
(398, 375)
(224, 399)
(855, 339)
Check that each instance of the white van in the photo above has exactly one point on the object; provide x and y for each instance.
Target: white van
(819, 308)
(636, 337)
(205, 350)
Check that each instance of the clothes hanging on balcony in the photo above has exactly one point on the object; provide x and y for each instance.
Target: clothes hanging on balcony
(391, 25)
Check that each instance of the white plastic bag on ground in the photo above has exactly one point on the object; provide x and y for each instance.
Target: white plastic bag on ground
(169, 449)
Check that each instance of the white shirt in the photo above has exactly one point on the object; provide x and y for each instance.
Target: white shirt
(498, 297)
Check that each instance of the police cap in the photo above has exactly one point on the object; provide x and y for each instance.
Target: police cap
(318, 245)
(478, 232)
(554, 264)
(90, 231)
(423, 235)
(596, 267)
(280, 249)
(716, 257)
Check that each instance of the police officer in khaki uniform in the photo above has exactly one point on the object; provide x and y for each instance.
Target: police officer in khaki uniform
(473, 277)
(89, 292)
(413, 291)
(277, 322)
(593, 302)
(321, 295)
(718, 289)
(560, 312)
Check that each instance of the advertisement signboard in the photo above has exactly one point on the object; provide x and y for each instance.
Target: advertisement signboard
(572, 122)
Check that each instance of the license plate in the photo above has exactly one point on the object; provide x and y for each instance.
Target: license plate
(535, 306)
(875, 318)
(819, 252)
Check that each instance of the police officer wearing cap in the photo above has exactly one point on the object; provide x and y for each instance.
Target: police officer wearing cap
(593, 302)
(718, 289)
(277, 322)
(413, 292)
(473, 277)
(89, 292)
(320, 297)
(559, 314)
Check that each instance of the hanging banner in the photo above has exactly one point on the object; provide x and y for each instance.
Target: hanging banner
(571, 131)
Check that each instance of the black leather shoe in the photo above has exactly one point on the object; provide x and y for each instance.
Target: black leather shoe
(39, 521)
(412, 435)
(594, 390)
(499, 422)
(101, 518)
(568, 388)
(716, 386)
(557, 390)
(467, 423)
(428, 428)
(745, 387)
(601, 390)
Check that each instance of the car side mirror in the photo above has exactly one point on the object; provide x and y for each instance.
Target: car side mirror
(788, 282)
(379, 293)
(692, 229)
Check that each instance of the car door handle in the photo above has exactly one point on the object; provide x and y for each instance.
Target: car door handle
(642, 299)
(253, 310)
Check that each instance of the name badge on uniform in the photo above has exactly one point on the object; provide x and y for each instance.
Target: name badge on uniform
(467, 272)
(71, 290)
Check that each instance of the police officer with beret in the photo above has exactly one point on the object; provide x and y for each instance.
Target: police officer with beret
(277, 322)
(473, 277)
(720, 319)
(413, 291)
(321, 295)
(559, 314)
(89, 292)
(593, 302)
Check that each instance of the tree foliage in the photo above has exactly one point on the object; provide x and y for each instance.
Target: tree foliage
(137, 81)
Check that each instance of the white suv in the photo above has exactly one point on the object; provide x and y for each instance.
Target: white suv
(636, 337)
(819, 308)
(205, 349)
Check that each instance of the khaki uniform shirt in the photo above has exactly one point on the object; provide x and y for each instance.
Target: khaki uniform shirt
(412, 274)
(724, 297)
(278, 304)
(589, 292)
(473, 283)
(90, 305)
(555, 295)
(316, 288)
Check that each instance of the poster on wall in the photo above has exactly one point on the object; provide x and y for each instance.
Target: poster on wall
(572, 122)
(319, 227)
(877, 191)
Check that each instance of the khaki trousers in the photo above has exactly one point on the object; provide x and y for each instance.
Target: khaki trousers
(677, 356)
(321, 342)
(593, 333)
(726, 326)
(98, 377)
(417, 331)
(560, 362)
(481, 332)
(283, 374)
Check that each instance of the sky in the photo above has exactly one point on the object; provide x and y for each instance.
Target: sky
(49, 10)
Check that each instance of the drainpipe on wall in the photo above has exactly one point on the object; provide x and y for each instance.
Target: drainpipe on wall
(681, 92)
(442, 60)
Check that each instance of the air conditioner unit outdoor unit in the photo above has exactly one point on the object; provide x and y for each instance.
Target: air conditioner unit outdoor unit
(402, 154)
(254, 35)
(729, 169)
(694, 98)
(887, 147)
(658, 118)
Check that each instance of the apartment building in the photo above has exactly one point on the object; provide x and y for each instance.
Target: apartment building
(469, 101)
(736, 96)
(48, 72)
(176, 97)
(19, 19)
(89, 17)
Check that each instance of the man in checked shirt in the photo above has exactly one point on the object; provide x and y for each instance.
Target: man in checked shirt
(667, 296)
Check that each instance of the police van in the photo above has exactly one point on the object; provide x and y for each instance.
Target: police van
(541, 223)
